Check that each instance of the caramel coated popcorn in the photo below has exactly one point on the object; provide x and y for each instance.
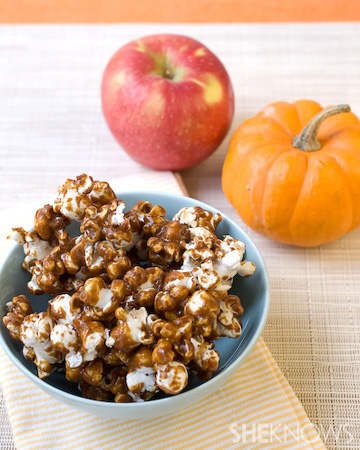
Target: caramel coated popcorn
(137, 300)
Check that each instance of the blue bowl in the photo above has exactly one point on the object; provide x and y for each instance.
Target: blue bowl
(253, 292)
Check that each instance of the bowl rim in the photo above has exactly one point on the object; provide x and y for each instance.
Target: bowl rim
(209, 385)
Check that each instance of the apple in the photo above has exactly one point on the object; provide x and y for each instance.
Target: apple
(167, 100)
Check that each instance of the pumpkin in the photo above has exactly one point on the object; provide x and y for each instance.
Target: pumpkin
(292, 172)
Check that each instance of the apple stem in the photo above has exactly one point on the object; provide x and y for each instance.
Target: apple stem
(168, 71)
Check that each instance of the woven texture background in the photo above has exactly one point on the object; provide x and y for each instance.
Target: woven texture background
(51, 128)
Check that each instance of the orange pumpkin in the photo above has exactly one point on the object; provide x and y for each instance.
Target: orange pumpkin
(293, 172)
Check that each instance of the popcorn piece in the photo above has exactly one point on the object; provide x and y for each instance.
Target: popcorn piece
(101, 193)
(167, 330)
(205, 357)
(204, 309)
(185, 326)
(177, 288)
(32, 284)
(52, 262)
(215, 266)
(18, 309)
(206, 276)
(74, 364)
(91, 345)
(92, 337)
(143, 284)
(115, 382)
(104, 300)
(65, 339)
(171, 304)
(123, 230)
(43, 281)
(133, 329)
(93, 373)
(109, 342)
(94, 392)
(168, 245)
(152, 216)
(129, 397)
(183, 346)
(227, 323)
(194, 257)
(172, 378)
(88, 259)
(147, 290)
(74, 196)
(118, 266)
(71, 199)
(49, 275)
(201, 238)
(229, 261)
(92, 223)
(174, 337)
(51, 225)
(140, 378)
(34, 247)
(64, 308)
(117, 216)
(162, 353)
(177, 278)
(111, 356)
(247, 268)
(35, 335)
(195, 216)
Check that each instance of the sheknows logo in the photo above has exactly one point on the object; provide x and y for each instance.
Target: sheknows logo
(267, 433)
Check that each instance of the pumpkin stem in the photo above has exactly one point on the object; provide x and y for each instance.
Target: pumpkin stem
(308, 140)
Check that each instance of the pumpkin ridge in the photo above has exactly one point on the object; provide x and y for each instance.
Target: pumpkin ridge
(340, 155)
(345, 184)
(302, 107)
(256, 215)
(263, 205)
(286, 130)
(235, 140)
(297, 200)
(283, 123)
(298, 114)
(231, 194)
(282, 191)
(340, 175)
(335, 134)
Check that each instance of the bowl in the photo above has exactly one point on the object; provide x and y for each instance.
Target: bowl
(253, 292)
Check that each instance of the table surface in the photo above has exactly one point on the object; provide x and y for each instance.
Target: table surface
(51, 128)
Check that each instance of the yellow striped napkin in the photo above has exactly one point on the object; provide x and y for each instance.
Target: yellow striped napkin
(255, 409)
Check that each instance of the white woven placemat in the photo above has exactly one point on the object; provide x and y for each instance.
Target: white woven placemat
(51, 128)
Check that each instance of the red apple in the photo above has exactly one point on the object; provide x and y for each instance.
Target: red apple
(168, 101)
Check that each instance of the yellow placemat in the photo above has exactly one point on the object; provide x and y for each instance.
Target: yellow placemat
(255, 409)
